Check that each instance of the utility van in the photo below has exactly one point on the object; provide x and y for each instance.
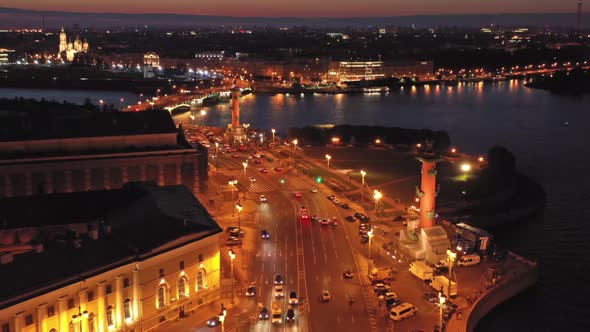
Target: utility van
(402, 311)
(469, 260)
(277, 313)
(421, 270)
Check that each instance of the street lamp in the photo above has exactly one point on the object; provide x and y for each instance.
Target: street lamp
(273, 134)
(465, 167)
(216, 148)
(441, 301)
(451, 255)
(239, 207)
(295, 144)
(80, 316)
(232, 183)
(377, 196)
(370, 234)
(245, 164)
(232, 256)
(328, 157)
(363, 173)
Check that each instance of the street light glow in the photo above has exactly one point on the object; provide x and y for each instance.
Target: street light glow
(465, 167)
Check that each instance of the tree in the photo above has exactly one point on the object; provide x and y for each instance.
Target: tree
(501, 162)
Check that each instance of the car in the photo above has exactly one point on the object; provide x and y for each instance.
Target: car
(236, 156)
(315, 218)
(365, 227)
(357, 215)
(302, 208)
(298, 194)
(264, 234)
(331, 197)
(364, 219)
(237, 233)
(399, 218)
(304, 217)
(336, 201)
(293, 298)
(213, 321)
(350, 218)
(364, 238)
(252, 179)
(263, 314)
(263, 199)
(258, 161)
(431, 297)
(325, 222)
(270, 159)
(325, 296)
(345, 206)
(381, 288)
(232, 241)
(264, 170)
(387, 296)
(278, 169)
(334, 222)
(231, 229)
(347, 274)
(278, 279)
(290, 315)
(313, 190)
(279, 292)
(251, 290)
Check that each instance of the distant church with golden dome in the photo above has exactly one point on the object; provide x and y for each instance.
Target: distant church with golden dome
(67, 49)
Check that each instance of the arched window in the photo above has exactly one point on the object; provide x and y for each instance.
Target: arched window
(53, 330)
(127, 308)
(201, 283)
(182, 289)
(162, 296)
(110, 316)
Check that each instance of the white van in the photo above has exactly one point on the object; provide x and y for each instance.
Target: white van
(402, 311)
(469, 260)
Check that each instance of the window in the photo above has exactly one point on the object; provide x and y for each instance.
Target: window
(181, 265)
(91, 327)
(125, 282)
(110, 316)
(109, 289)
(50, 311)
(182, 289)
(5, 327)
(90, 295)
(200, 279)
(29, 320)
(71, 303)
(127, 308)
(52, 330)
(161, 273)
(200, 258)
(162, 296)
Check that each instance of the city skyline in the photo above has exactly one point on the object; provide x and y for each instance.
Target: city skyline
(303, 8)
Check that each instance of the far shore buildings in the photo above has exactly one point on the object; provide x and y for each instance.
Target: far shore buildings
(128, 259)
(48, 152)
(68, 49)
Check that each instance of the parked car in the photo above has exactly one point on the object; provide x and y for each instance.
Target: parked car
(350, 218)
(345, 206)
(232, 241)
(331, 197)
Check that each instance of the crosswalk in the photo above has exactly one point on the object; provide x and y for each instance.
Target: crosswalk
(262, 184)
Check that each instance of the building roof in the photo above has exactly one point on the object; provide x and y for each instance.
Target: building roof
(41, 125)
(142, 219)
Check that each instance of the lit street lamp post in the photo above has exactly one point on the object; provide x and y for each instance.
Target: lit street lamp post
(245, 164)
(441, 301)
(452, 256)
(232, 256)
(363, 173)
(273, 134)
(370, 234)
(295, 144)
(233, 183)
(239, 207)
(328, 157)
(80, 316)
(377, 196)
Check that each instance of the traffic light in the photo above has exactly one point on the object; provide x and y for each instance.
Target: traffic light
(282, 181)
(319, 179)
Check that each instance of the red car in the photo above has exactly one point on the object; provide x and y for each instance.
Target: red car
(298, 194)
(258, 161)
(264, 170)
(304, 217)
(325, 222)
(278, 169)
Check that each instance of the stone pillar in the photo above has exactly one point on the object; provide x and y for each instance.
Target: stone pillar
(49, 183)
(179, 173)
(82, 302)
(62, 311)
(161, 174)
(19, 322)
(7, 185)
(124, 174)
(137, 315)
(87, 179)
(28, 184)
(68, 181)
(106, 172)
(101, 314)
(427, 192)
(41, 315)
(119, 317)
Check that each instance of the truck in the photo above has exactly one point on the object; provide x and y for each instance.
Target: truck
(441, 284)
(276, 313)
(421, 270)
(380, 274)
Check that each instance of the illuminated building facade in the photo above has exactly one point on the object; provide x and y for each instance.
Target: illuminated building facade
(151, 61)
(44, 152)
(409, 69)
(113, 260)
(360, 70)
(6, 56)
(68, 49)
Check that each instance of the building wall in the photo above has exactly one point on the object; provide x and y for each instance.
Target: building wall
(137, 281)
(99, 172)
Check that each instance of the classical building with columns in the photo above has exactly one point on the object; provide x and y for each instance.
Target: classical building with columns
(61, 152)
(127, 259)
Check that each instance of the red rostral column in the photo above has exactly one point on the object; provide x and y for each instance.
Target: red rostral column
(235, 106)
(428, 191)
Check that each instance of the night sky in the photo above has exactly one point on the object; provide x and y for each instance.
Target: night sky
(301, 8)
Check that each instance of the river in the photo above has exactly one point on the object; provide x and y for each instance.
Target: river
(546, 132)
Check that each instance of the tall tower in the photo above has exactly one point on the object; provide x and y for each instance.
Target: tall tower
(428, 191)
(63, 41)
(579, 23)
(237, 131)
